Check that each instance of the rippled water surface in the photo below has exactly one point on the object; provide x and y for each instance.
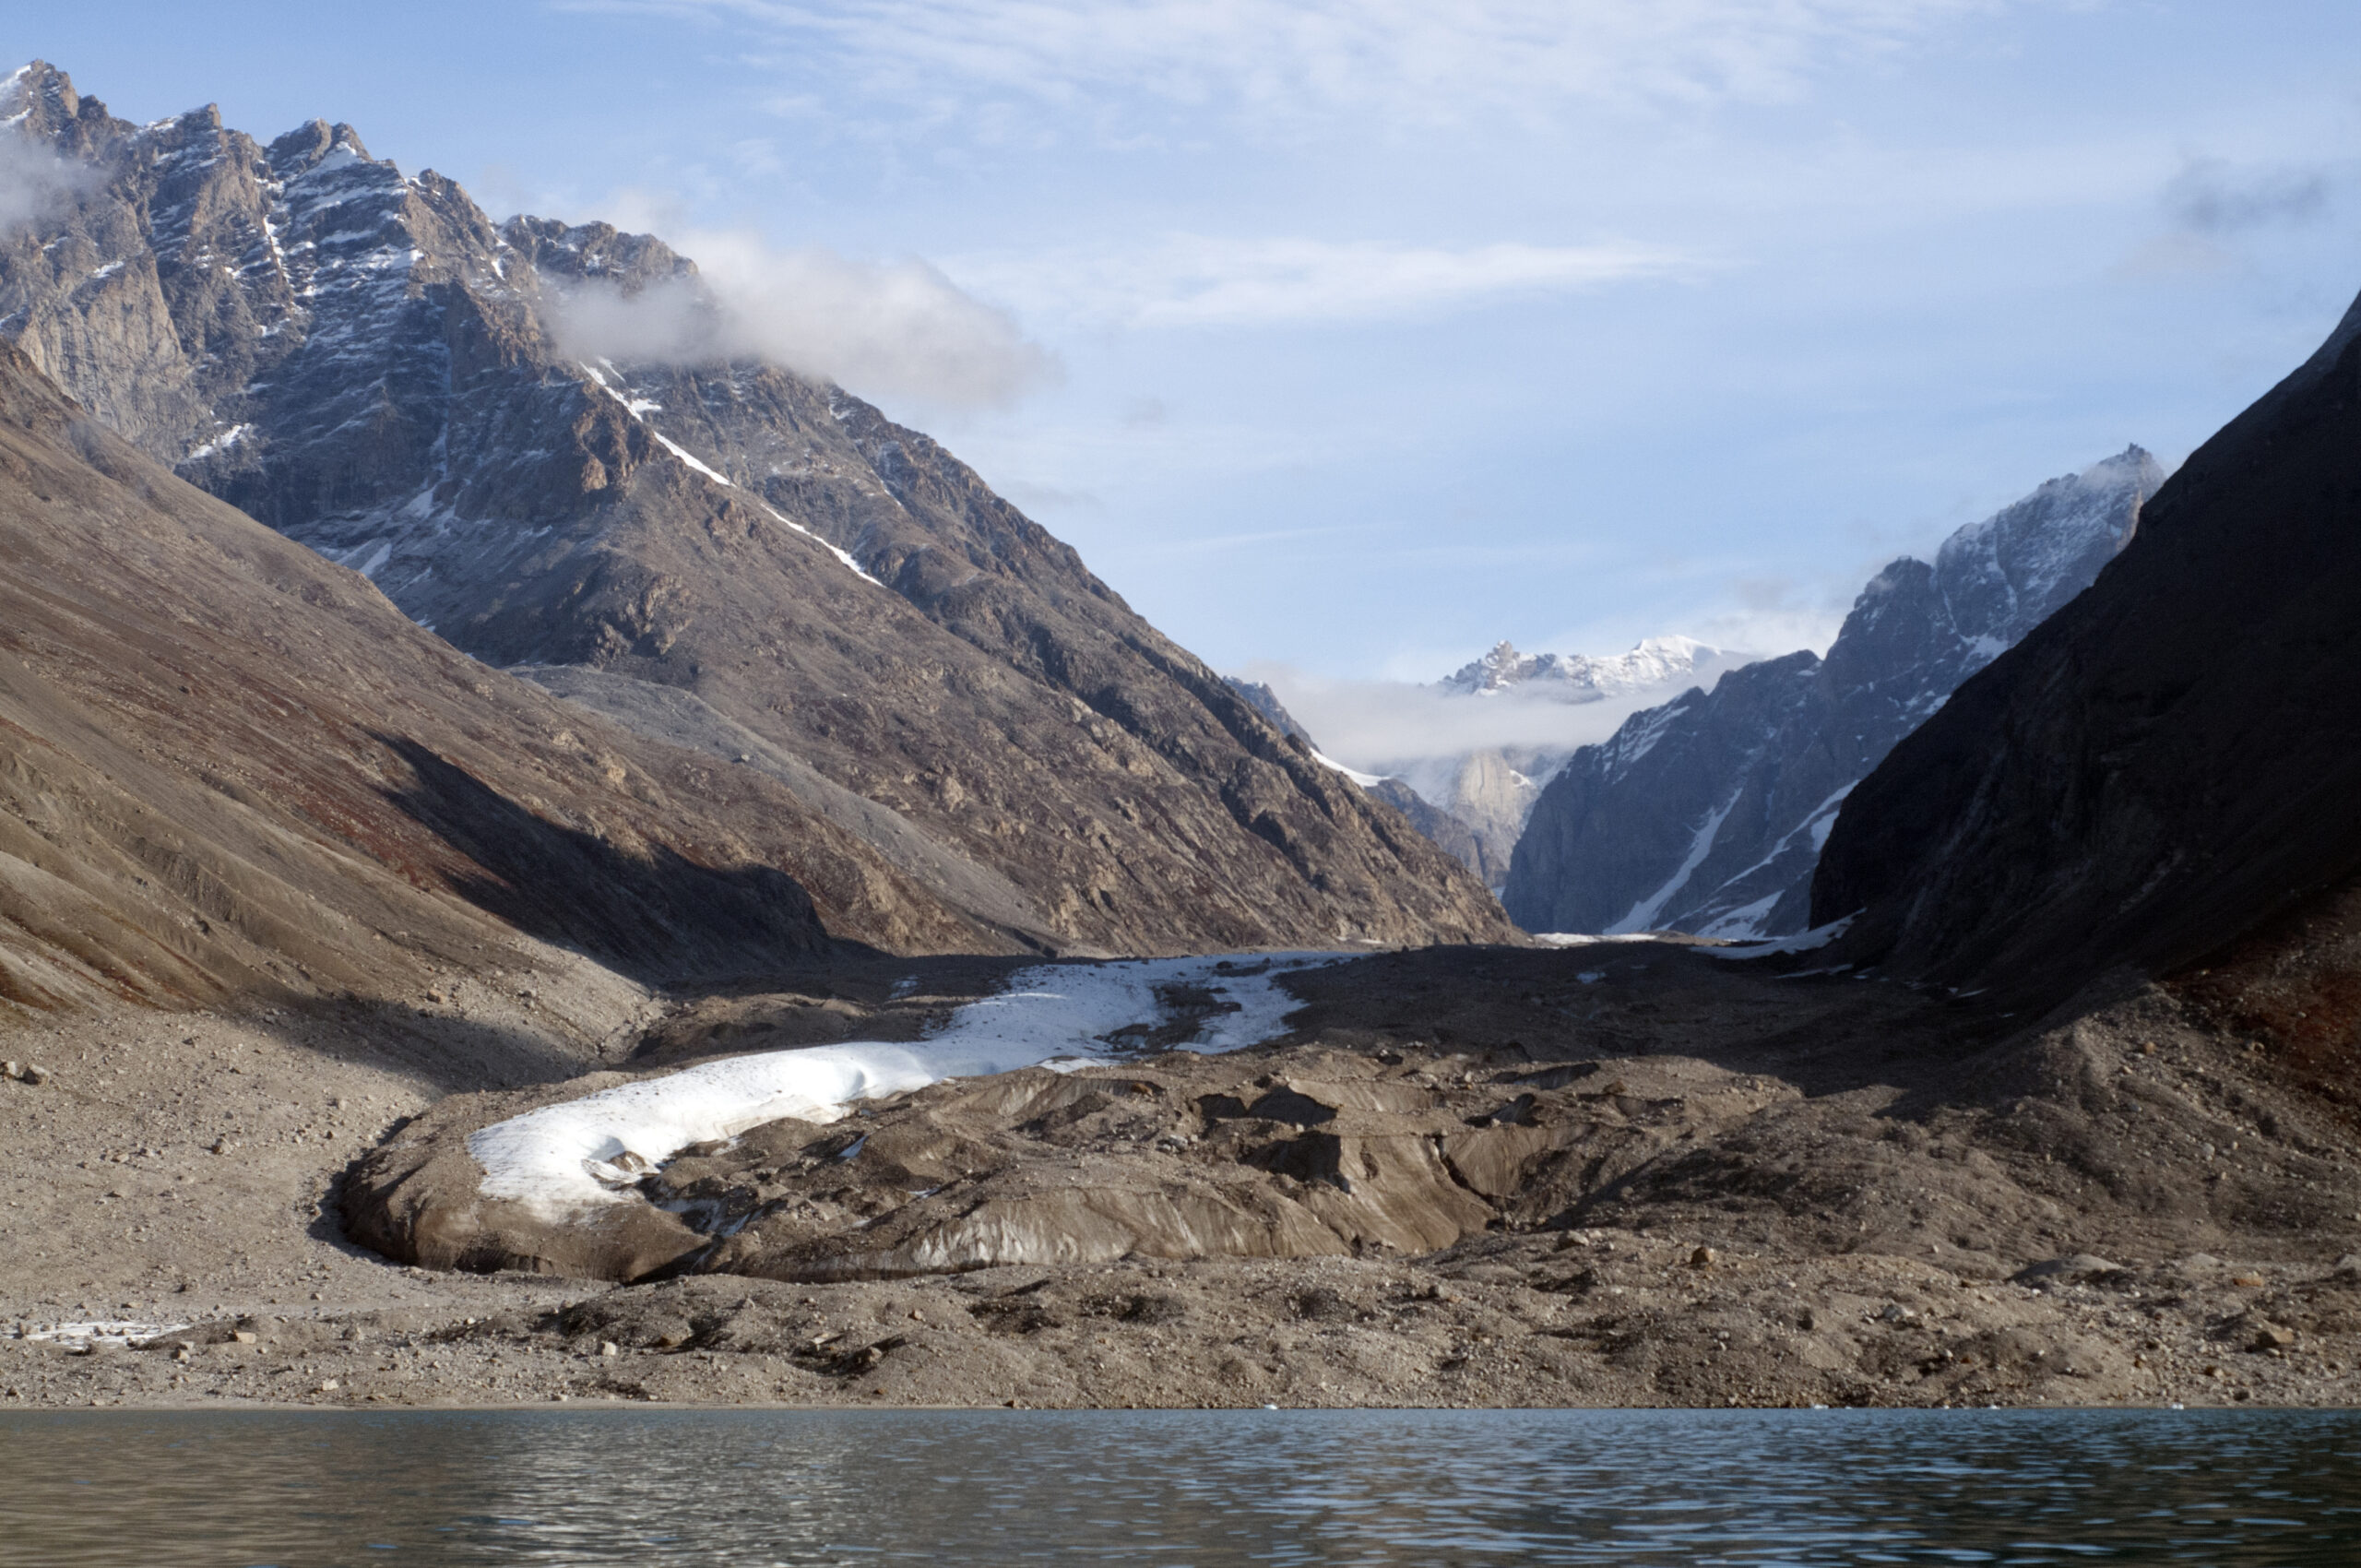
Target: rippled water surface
(1395, 1486)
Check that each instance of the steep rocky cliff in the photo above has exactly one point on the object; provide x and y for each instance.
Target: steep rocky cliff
(229, 768)
(364, 361)
(1707, 814)
(2167, 766)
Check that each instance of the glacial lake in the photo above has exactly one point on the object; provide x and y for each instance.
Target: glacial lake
(762, 1487)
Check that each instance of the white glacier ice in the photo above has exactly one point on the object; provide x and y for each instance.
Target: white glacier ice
(564, 1158)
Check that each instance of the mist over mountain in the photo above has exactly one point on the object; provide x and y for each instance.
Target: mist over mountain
(1478, 746)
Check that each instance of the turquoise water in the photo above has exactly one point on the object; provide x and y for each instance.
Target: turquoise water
(659, 1487)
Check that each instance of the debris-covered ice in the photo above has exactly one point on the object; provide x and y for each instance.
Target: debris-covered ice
(590, 1150)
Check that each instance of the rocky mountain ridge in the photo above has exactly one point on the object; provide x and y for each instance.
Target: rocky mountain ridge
(229, 769)
(1707, 814)
(2157, 781)
(365, 361)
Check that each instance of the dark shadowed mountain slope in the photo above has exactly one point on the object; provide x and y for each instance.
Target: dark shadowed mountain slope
(1628, 826)
(2166, 764)
(1707, 814)
(229, 767)
(361, 359)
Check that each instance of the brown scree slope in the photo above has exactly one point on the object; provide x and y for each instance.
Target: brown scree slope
(228, 767)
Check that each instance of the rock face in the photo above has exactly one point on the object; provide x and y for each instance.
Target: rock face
(2168, 764)
(1259, 697)
(1488, 795)
(362, 361)
(1488, 798)
(1451, 834)
(1708, 815)
(229, 768)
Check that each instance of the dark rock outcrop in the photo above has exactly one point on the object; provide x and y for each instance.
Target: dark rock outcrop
(2167, 764)
(1450, 835)
(1707, 814)
(362, 361)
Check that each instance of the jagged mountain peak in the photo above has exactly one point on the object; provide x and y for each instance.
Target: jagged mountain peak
(38, 84)
(706, 542)
(312, 143)
(596, 250)
(38, 100)
(2004, 576)
(2162, 773)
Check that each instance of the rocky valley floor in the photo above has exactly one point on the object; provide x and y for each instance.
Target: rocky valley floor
(1629, 1174)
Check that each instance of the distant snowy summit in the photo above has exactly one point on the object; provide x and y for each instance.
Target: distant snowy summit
(1575, 677)
(1472, 795)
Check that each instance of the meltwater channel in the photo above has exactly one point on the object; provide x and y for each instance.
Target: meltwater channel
(297, 1490)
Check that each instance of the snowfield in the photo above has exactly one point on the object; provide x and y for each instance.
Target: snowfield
(589, 1151)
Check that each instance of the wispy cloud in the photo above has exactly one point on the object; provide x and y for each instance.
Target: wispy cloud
(2212, 203)
(2211, 196)
(34, 182)
(1193, 281)
(885, 329)
(1292, 58)
(1777, 615)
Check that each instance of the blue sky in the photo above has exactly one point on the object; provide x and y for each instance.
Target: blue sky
(1350, 339)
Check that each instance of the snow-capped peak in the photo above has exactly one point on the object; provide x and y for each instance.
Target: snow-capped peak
(1575, 677)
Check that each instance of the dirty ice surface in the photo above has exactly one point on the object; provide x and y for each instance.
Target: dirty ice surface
(591, 1150)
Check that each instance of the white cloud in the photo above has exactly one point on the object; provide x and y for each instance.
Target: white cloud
(2214, 206)
(1284, 58)
(1193, 281)
(889, 329)
(34, 182)
(1769, 631)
